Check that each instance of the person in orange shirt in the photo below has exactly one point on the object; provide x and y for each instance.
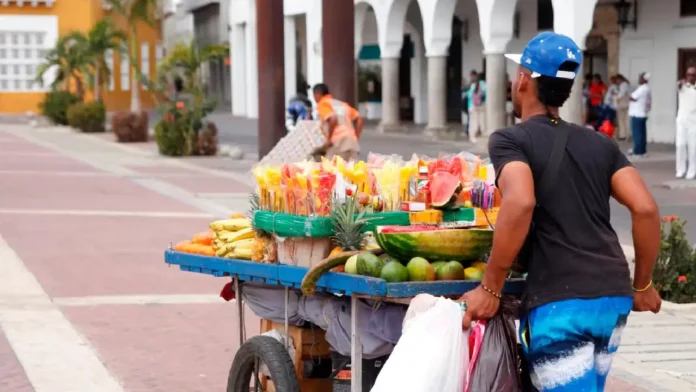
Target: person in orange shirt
(341, 123)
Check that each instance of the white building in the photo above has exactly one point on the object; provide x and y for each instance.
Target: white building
(436, 42)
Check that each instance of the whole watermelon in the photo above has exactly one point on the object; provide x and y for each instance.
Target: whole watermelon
(368, 264)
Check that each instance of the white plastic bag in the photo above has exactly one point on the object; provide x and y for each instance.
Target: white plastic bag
(433, 351)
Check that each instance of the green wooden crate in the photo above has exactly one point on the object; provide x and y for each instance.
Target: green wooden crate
(287, 225)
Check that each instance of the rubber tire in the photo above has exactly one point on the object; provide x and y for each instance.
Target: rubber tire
(273, 354)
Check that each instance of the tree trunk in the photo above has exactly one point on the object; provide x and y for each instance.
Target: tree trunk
(97, 71)
(135, 83)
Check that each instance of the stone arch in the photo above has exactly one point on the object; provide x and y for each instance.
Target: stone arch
(437, 25)
(494, 34)
(361, 8)
(390, 23)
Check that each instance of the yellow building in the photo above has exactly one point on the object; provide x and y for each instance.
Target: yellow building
(29, 28)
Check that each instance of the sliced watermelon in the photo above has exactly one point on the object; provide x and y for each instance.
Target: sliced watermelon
(433, 243)
(407, 229)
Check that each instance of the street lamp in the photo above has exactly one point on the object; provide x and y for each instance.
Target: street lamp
(627, 13)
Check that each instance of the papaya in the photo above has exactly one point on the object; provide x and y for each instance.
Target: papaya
(204, 238)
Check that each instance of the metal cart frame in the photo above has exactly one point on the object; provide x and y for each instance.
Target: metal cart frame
(354, 286)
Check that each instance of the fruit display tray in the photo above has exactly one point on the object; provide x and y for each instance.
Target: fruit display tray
(331, 282)
(288, 225)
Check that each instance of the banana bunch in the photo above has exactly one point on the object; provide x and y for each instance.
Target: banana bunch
(233, 239)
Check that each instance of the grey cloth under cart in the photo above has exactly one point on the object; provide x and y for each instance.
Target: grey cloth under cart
(380, 323)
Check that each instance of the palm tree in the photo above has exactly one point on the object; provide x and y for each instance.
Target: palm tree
(69, 57)
(102, 37)
(187, 59)
(134, 11)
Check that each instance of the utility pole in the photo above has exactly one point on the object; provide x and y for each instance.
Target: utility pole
(338, 48)
(271, 73)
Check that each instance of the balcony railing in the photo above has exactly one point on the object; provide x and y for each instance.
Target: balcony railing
(33, 3)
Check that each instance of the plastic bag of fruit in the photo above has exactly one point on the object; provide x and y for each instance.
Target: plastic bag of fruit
(432, 353)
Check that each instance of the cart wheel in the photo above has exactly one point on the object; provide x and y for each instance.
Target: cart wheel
(250, 356)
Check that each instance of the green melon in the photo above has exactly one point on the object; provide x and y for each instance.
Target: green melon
(453, 270)
(394, 272)
(369, 265)
(420, 270)
(404, 242)
(351, 266)
(438, 264)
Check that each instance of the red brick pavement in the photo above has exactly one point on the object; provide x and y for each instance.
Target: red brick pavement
(210, 184)
(83, 193)
(617, 385)
(12, 376)
(171, 348)
(92, 255)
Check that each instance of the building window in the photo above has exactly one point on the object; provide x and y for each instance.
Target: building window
(125, 69)
(544, 15)
(145, 60)
(687, 8)
(109, 60)
(23, 41)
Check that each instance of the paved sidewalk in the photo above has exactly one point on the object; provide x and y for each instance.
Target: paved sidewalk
(87, 304)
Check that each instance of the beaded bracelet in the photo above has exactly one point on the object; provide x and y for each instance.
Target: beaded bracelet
(491, 292)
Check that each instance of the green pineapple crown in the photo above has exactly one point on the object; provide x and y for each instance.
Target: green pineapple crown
(348, 224)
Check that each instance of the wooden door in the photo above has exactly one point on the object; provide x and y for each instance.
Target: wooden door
(687, 57)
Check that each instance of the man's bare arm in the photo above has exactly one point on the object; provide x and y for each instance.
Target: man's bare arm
(514, 218)
(629, 189)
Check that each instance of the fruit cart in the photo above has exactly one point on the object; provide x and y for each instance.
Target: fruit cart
(290, 277)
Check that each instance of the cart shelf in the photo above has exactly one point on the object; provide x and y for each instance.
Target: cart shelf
(332, 282)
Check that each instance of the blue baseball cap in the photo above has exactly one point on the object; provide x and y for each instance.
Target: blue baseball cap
(545, 53)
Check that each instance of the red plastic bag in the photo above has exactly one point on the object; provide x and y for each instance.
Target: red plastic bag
(607, 128)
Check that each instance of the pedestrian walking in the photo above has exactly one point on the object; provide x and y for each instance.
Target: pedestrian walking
(623, 101)
(341, 123)
(557, 179)
(686, 126)
(638, 111)
(477, 107)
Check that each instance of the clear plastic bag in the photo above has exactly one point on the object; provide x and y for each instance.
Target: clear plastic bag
(432, 353)
(497, 368)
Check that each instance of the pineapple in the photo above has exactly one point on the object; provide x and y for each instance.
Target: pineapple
(348, 226)
(264, 249)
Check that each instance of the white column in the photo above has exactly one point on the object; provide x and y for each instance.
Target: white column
(252, 88)
(496, 18)
(238, 70)
(437, 33)
(496, 94)
(574, 18)
(390, 93)
(437, 94)
(290, 37)
(315, 72)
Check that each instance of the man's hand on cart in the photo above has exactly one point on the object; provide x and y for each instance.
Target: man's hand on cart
(480, 305)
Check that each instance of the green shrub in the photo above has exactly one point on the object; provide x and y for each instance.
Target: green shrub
(55, 106)
(675, 270)
(88, 116)
(171, 137)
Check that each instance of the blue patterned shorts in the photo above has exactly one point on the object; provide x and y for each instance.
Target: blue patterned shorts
(570, 344)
